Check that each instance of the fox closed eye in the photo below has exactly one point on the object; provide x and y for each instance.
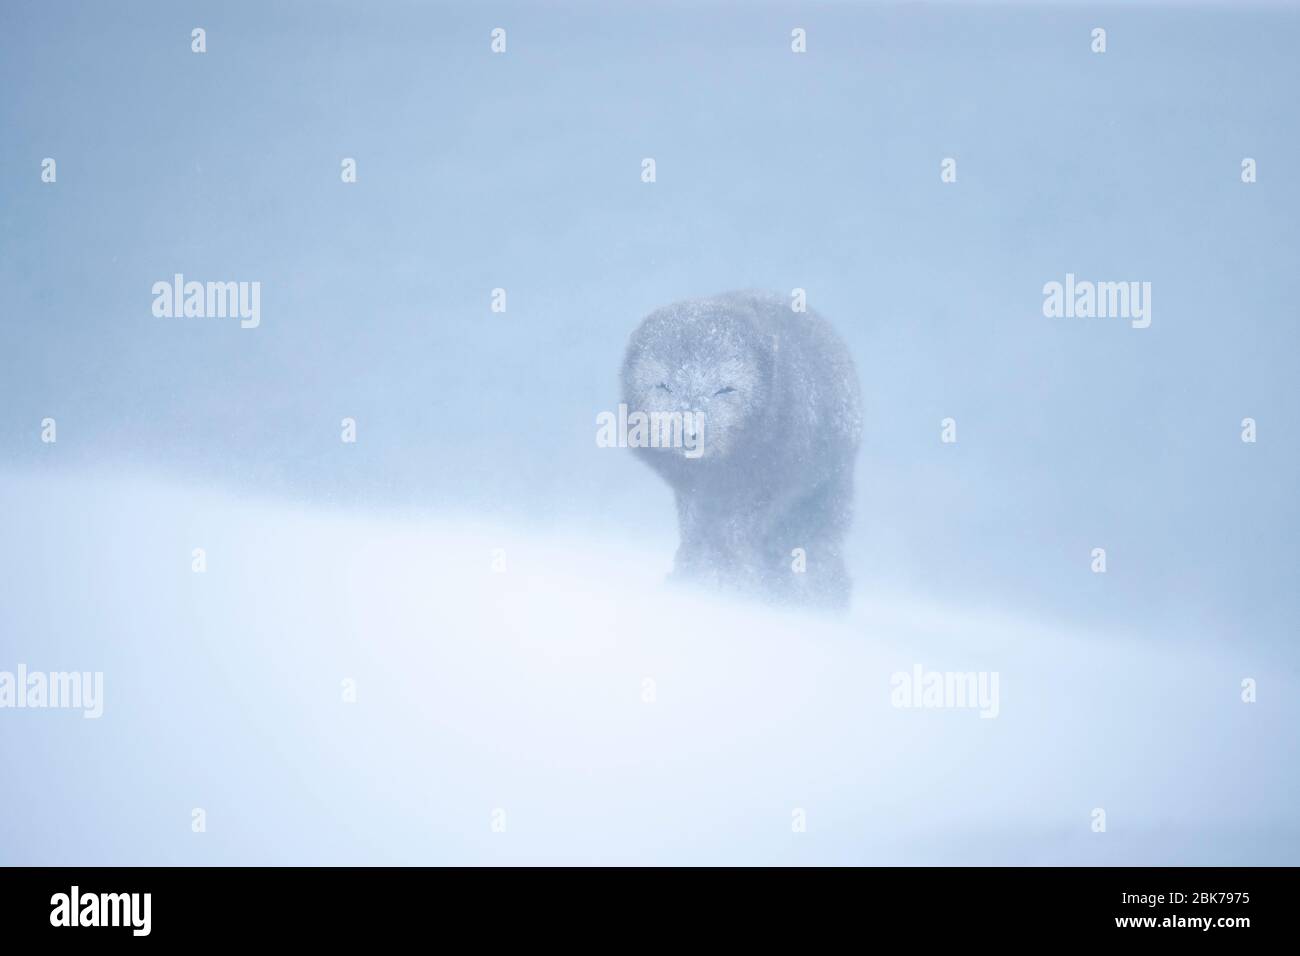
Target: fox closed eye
(725, 390)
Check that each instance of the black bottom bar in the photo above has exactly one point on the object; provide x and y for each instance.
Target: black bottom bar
(336, 906)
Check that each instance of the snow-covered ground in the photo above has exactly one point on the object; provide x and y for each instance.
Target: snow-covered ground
(525, 691)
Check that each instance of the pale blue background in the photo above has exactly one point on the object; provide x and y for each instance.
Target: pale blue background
(775, 171)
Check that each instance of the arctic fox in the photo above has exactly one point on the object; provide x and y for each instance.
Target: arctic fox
(764, 496)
